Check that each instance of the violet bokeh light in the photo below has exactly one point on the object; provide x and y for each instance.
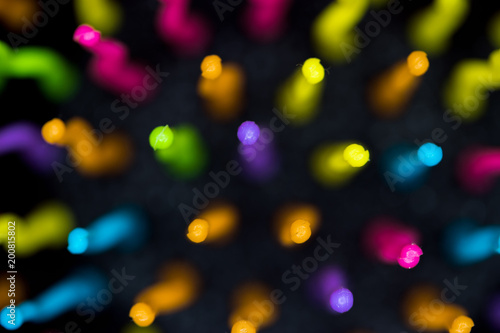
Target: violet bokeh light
(329, 284)
(260, 161)
(341, 300)
(248, 133)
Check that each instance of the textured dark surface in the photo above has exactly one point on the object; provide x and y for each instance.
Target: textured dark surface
(255, 254)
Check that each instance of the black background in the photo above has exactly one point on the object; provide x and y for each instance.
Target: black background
(255, 254)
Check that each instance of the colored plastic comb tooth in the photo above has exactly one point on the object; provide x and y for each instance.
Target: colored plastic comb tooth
(125, 228)
(431, 29)
(260, 161)
(60, 298)
(216, 224)
(467, 243)
(56, 77)
(390, 92)
(295, 223)
(335, 164)
(326, 289)
(180, 149)
(47, 226)
(110, 66)
(265, 20)
(301, 93)
(187, 33)
(471, 81)
(247, 305)
(392, 242)
(24, 138)
(333, 29)
(221, 87)
(478, 169)
(94, 155)
(405, 167)
(178, 288)
(451, 318)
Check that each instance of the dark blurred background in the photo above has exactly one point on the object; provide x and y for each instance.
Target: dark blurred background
(255, 253)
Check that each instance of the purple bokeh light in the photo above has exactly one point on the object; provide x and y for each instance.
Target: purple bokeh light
(248, 133)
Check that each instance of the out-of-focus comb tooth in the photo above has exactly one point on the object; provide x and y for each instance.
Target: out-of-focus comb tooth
(465, 242)
(60, 298)
(221, 87)
(125, 228)
(467, 90)
(111, 67)
(181, 149)
(178, 288)
(265, 20)
(295, 223)
(187, 33)
(301, 94)
(25, 139)
(55, 76)
(216, 224)
(334, 164)
(47, 226)
(391, 91)
(431, 29)
(333, 30)
(420, 304)
(391, 242)
(94, 155)
(104, 15)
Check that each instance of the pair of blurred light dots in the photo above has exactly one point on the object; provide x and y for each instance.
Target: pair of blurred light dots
(162, 137)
